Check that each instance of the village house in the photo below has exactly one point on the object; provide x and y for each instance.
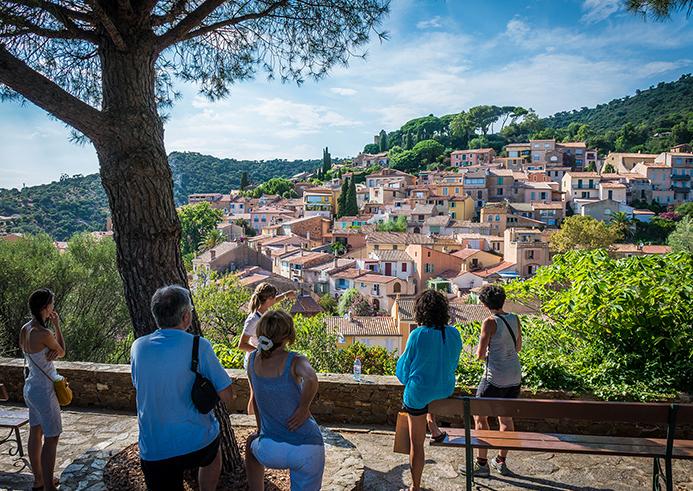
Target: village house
(378, 179)
(393, 263)
(318, 277)
(320, 202)
(583, 185)
(630, 250)
(371, 331)
(527, 248)
(659, 175)
(462, 158)
(624, 163)
(268, 215)
(476, 259)
(381, 290)
(430, 263)
(292, 266)
(227, 257)
(681, 165)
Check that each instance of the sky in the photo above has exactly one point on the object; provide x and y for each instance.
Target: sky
(442, 56)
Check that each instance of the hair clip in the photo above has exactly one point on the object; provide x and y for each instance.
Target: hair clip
(264, 343)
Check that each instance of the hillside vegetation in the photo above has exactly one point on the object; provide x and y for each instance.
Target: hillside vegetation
(78, 203)
(652, 120)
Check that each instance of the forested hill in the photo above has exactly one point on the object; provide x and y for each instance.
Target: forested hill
(77, 204)
(656, 104)
(197, 173)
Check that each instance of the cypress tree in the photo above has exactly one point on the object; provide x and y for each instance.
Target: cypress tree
(352, 207)
(244, 181)
(326, 161)
(341, 201)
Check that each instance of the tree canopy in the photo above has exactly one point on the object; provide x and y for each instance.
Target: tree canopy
(583, 232)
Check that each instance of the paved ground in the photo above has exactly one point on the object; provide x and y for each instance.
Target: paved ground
(90, 437)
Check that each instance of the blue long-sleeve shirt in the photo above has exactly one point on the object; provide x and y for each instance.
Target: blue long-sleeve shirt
(427, 366)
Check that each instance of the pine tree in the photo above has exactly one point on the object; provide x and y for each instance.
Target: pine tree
(244, 181)
(341, 201)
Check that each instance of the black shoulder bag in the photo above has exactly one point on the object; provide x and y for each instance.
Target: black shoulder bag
(204, 395)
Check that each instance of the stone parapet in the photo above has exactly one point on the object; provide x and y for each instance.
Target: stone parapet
(340, 400)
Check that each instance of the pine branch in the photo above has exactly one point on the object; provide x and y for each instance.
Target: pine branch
(57, 11)
(24, 26)
(189, 22)
(43, 92)
(108, 24)
(235, 20)
(170, 16)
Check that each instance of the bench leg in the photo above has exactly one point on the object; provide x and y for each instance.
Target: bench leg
(656, 471)
(669, 475)
(20, 449)
(468, 449)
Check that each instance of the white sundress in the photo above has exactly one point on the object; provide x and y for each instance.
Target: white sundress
(39, 394)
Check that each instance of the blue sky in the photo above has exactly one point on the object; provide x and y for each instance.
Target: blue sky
(442, 57)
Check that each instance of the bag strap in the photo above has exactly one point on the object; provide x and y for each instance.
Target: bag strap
(512, 334)
(195, 353)
(36, 365)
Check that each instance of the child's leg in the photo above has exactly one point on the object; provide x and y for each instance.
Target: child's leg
(254, 469)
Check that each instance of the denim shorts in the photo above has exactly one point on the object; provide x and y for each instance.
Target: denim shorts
(306, 463)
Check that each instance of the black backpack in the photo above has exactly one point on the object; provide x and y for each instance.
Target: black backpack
(204, 395)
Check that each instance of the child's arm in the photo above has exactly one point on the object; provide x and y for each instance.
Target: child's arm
(303, 370)
(244, 345)
(488, 328)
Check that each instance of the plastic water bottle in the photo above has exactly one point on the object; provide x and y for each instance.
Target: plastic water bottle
(357, 370)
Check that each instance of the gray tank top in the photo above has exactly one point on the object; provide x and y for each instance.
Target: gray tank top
(502, 361)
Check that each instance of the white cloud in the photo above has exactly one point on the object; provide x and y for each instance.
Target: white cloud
(598, 10)
(432, 23)
(343, 91)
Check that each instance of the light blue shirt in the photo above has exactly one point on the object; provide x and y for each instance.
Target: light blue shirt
(427, 366)
(169, 423)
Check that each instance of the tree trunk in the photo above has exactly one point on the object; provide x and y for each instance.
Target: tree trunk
(138, 182)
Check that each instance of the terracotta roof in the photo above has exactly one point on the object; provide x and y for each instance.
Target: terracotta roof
(496, 269)
(283, 239)
(614, 185)
(376, 278)
(440, 220)
(305, 304)
(350, 274)
(252, 279)
(391, 255)
(646, 249)
(397, 238)
(465, 313)
(362, 326)
(583, 174)
(572, 144)
(219, 250)
(537, 205)
(466, 253)
(313, 257)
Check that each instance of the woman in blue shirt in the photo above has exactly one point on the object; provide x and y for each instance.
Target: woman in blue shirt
(427, 370)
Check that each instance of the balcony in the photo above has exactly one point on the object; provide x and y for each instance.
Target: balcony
(675, 177)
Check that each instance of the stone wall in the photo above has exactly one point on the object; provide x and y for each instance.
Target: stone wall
(340, 400)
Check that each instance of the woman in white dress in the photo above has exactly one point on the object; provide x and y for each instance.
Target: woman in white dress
(40, 347)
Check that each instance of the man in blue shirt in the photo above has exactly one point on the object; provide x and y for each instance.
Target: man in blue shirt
(173, 434)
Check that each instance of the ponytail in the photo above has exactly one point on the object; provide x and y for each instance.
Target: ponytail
(38, 301)
(263, 292)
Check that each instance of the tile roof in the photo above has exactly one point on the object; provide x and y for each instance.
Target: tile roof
(614, 185)
(583, 174)
(397, 238)
(305, 304)
(572, 144)
(362, 326)
(440, 220)
(391, 255)
(313, 257)
(350, 274)
(495, 269)
(376, 278)
(219, 250)
(466, 253)
(645, 249)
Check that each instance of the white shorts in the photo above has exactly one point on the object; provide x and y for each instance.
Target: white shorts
(305, 462)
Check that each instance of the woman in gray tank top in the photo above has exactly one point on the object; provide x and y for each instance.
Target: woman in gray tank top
(499, 344)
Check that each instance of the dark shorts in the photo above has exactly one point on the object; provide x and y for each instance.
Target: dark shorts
(167, 474)
(415, 412)
(487, 389)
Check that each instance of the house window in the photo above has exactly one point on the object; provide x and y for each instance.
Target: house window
(535, 158)
(496, 246)
(529, 254)
(429, 253)
(376, 247)
(453, 214)
(543, 195)
(498, 218)
(585, 194)
(363, 285)
(457, 190)
(428, 268)
(579, 183)
(394, 247)
(396, 288)
(500, 191)
(490, 218)
(532, 195)
(500, 181)
(404, 267)
(611, 194)
(479, 194)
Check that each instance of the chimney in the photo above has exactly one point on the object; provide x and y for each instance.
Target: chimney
(213, 254)
(308, 236)
(335, 261)
(350, 316)
(286, 246)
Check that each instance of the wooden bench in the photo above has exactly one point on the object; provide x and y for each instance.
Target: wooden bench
(666, 415)
(12, 420)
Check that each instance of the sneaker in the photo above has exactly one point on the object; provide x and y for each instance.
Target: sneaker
(499, 466)
(479, 470)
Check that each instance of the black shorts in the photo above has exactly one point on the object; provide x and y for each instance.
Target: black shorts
(415, 412)
(487, 389)
(167, 474)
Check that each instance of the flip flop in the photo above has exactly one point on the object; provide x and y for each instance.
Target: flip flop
(440, 437)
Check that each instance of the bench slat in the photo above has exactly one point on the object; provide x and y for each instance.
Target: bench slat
(654, 413)
(634, 447)
(523, 435)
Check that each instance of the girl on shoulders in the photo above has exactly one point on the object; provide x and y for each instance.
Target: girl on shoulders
(284, 385)
(263, 298)
(427, 370)
(40, 347)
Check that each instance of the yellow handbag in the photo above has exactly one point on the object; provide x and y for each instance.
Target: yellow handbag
(62, 391)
